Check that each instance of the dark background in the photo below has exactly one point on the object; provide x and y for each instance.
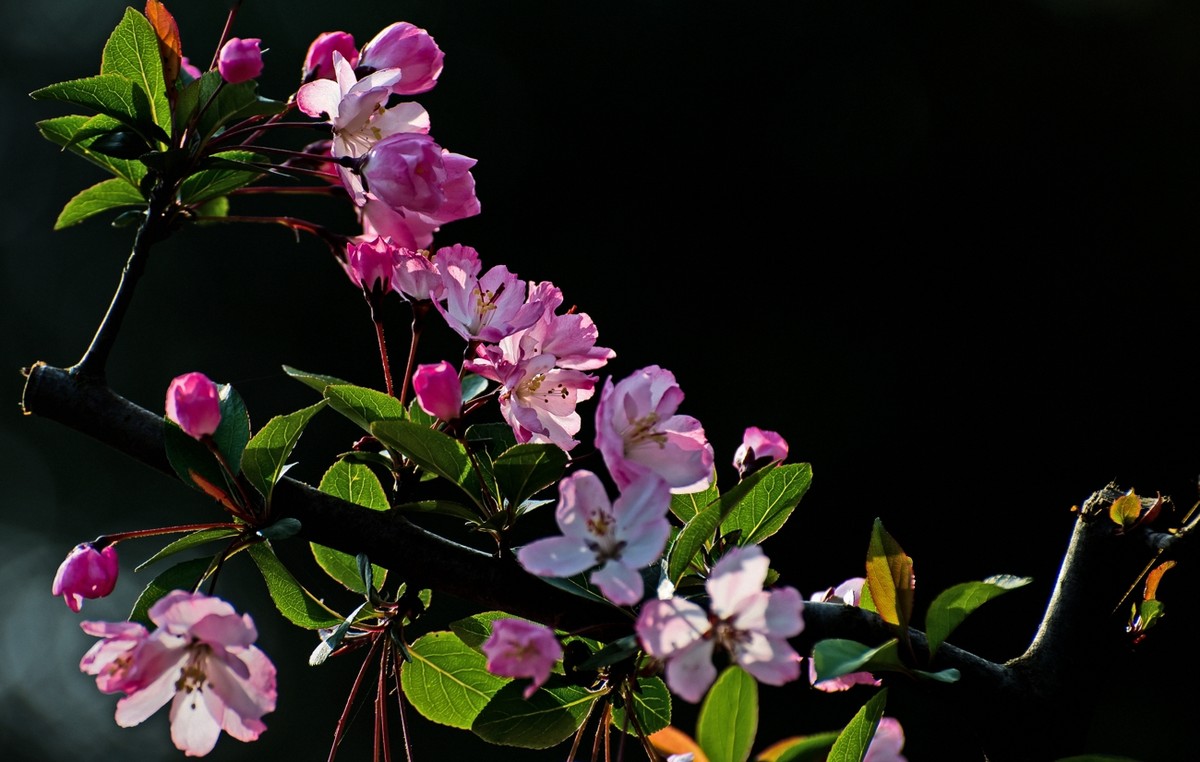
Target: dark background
(948, 250)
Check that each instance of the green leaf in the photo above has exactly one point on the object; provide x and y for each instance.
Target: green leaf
(685, 507)
(132, 52)
(834, 657)
(362, 405)
(114, 193)
(185, 575)
(192, 540)
(699, 532)
(447, 681)
(65, 131)
(315, 381)
(546, 718)
(954, 604)
(441, 507)
(110, 94)
(728, 719)
(527, 469)
(651, 708)
(431, 450)
(852, 743)
(268, 450)
(477, 628)
(299, 606)
(354, 483)
(234, 103)
(889, 575)
(764, 509)
(208, 184)
(814, 748)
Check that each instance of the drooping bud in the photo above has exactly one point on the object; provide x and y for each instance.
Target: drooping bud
(86, 573)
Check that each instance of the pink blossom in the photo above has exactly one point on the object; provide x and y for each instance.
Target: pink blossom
(438, 390)
(405, 171)
(487, 307)
(192, 70)
(887, 742)
(371, 264)
(848, 593)
(637, 431)
(408, 48)
(621, 538)
(416, 275)
(758, 446)
(538, 400)
(318, 62)
(86, 573)
(240, 60)
(520, 648)
(752, 624)
(201, 659)
(570, 337)
(194, 403)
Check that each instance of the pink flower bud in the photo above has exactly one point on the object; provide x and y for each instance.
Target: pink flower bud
(371, 263)
(194, 403)
(412, 50)
(192, 69)
(86, 573)
(758, 448)
(406, 171)
(318, 64)
(439, 390)
(240, 60)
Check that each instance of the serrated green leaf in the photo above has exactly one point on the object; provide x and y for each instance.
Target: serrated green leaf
(651, 708)
(299, 606)
(207, 184)
(63, 130)
(361, 405)
(889, 575)
(268, 450)
(114, 193)
(686, 506)
(546, 718)
(764, 509)
(700, 531)
(317, 381)
(954, 604)
(526, 469)
(728, 719)
(185, 575)
(192, 540)
(132, 52)
(854, 740)
(354, 483)
(432, 451)
(110, 94)
(447, 681)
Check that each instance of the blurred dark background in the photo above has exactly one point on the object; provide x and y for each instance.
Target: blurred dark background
(948, 250)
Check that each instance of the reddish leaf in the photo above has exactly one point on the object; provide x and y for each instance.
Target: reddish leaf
(170, 47)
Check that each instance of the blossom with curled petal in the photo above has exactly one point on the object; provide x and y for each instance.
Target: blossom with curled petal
(887, 743)
(520, 648)
(86, 573)
(637, 430)
(620, 537)
(749, 622)
(759, 447)
(201, 658)
(318, 61)
(484, 307)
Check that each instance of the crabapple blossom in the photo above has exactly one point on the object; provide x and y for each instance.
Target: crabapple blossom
(240, 60)
(371, 263)
(405, 171)
(758, 448)
(86, 573)
(406, 47)
(848, 593)
(570, 337)
(416, 276)
(194, 403)
(318, 62)
(637, 431)
(751, 623)
(487, 307)
(438, 390)
(621, 537)
(887, 743)
(201, 658)
(520, 648)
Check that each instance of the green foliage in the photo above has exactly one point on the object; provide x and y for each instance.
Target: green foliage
(764, 509)
(195, 464)
(651, 708)
(889, 575)
(113, 193)
(315, 381)
(699, 531)
(954, 604)
(854, 740)
(361, 405)
(447, 680)
(79, 133)
(544, 719)
(193, 540)
(185, 575)
(298, 605)
(728, 719)
(526, 469)
(267, 451)
(433, 451)
(354, 483)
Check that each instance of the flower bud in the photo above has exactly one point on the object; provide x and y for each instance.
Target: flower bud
(412, 50)
(240, 60)
(439, 390)
(194, 404)
(406, 171)
(86, 573)
(371, 263)
(318, 64)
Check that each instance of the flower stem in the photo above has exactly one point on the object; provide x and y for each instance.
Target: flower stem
(109, 539)
(372, 298)
(420, 309)
(340, 731)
